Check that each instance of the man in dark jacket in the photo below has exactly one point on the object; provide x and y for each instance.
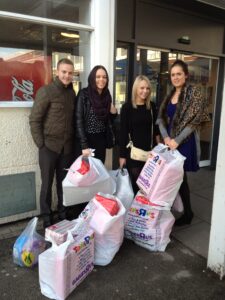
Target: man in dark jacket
(51, 123)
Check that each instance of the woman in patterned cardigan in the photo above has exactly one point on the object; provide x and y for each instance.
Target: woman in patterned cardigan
(180, 117)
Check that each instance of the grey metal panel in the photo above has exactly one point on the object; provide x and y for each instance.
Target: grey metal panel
(162, 27)
(125, 20)
(17, 194)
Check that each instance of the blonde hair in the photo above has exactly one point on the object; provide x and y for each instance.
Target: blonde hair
(134, 91)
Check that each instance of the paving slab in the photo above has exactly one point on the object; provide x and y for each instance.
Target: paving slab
(135, 273)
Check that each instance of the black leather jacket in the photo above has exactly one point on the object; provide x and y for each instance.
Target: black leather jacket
(82, 112)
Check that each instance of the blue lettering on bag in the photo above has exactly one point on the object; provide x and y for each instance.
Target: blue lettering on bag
(142, 212)
(156, 158)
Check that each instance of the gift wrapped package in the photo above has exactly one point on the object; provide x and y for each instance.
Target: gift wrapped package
(57, 233)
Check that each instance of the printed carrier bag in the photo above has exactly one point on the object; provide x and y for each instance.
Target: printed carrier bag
(62, 268)
(148, 226)
(124, 190)
(162, 175)
(28, 246)
(107, 221)
(79, 194)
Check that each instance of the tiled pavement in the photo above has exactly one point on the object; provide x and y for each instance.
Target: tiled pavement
(196, 235)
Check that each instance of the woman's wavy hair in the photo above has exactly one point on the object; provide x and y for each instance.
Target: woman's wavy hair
(92, 77)
(136, 83)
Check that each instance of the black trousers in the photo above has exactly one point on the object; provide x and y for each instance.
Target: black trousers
(52, 163)
(185, 196)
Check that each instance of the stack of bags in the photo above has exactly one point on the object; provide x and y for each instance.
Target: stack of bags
(92, 239)
(149, 220)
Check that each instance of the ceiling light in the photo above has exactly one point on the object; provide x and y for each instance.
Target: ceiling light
(70, 35)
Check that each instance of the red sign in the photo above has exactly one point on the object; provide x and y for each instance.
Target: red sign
(19, 81)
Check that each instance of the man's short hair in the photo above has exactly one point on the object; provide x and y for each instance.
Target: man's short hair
(65, 61)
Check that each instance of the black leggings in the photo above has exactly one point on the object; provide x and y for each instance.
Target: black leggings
(97, 141)
(134, 173)
(185, 196)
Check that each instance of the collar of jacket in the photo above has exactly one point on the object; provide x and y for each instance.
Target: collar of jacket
(59, 84)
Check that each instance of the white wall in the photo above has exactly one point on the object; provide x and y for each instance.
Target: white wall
(18, 152)
(216, 255)
(103, 43)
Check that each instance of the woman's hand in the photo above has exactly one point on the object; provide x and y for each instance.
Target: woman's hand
(113, 109)
(173, 144)
(122, 162)
(167, 140)
(158, 139)
(86, 152)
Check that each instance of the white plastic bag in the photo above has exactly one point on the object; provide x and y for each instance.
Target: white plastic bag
(162, 175)
(62, 268)
(84, 171)
(28, 246)
(109, 230)
(178, 204)
(124, 190)
(148, 226)
(79, 194)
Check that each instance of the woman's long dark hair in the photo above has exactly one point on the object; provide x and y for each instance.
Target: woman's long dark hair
(100, 102)
(184, 67)
(92, 77)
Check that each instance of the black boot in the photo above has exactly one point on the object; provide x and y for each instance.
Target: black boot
(185, 197)
(185, 219)
(47, 220)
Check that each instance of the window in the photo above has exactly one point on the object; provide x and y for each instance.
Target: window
(29, 53)
(76, 11)
(121, 76)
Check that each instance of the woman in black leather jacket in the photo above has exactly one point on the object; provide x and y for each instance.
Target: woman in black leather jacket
(94, 112)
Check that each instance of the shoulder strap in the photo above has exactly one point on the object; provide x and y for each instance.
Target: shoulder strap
(151, 126)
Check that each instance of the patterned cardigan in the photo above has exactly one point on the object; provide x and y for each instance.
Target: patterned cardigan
(191, 112)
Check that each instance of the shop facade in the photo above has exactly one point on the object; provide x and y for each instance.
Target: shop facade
(34, 36)
(149, 39)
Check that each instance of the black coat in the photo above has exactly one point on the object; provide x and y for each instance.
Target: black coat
(81, 118)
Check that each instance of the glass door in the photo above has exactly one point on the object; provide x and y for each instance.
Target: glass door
(155, 63)
(121, 75)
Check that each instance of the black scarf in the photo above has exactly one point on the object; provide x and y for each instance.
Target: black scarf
(100, 103)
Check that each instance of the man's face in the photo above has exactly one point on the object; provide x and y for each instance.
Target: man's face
(65, 73)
